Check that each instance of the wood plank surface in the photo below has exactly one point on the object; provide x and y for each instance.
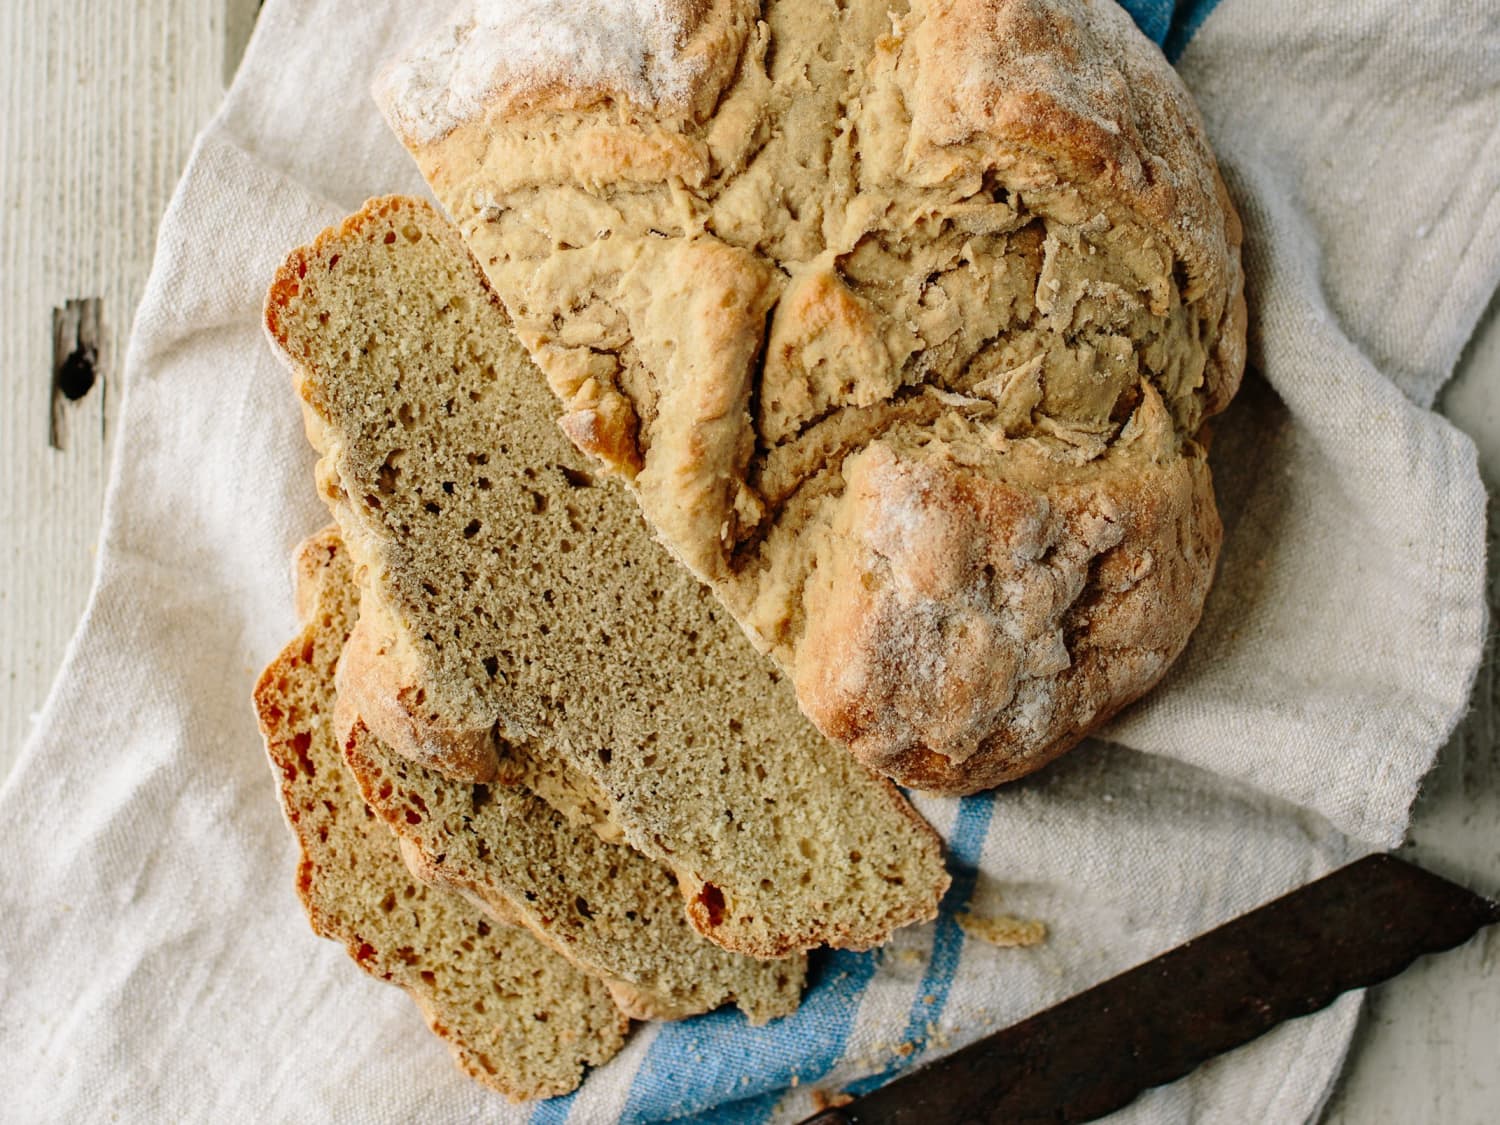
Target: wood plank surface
(99, 103)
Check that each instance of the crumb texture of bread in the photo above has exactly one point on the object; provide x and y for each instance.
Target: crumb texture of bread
(903, 321)
(604, 906)
(528, 603)
(518, 1018)
(608, 909)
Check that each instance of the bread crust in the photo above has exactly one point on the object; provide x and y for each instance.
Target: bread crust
(1108, 562)
(383, 683)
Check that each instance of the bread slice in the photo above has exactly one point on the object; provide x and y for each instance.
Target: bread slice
(604, 906)
(521, 602)
(519, 1018)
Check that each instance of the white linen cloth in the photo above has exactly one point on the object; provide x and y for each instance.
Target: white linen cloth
(154, 962)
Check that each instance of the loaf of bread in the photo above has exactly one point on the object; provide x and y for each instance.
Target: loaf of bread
(523, 608)
(904, 322)
(519, 1018)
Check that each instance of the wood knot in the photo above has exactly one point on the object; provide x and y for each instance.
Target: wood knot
(77, 332)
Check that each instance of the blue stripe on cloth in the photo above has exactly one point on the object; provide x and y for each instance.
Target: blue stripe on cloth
(1190, 17)
(964, 849)
(1154, 17)
(1171, 23)
(750, 1111)
(693, 1065)
(702, 1063)
(553, 1111)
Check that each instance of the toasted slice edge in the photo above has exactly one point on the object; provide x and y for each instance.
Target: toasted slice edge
(517, 1017)
(808, 848)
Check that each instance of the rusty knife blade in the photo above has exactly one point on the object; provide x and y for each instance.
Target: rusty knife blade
(1096, 1051)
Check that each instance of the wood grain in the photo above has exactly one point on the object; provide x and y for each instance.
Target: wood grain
(99, 104)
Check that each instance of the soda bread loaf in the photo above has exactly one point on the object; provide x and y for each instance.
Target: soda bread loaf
(524, 607)
(519, 1018)
(904, 321)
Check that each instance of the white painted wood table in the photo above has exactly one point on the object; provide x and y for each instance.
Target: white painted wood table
(99, 103)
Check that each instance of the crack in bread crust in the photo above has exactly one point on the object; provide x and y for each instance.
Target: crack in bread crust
(1009, 205)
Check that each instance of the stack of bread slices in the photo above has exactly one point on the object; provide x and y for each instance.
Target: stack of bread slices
(539, 777)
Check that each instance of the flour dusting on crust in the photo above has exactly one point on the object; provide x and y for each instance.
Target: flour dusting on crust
(524, 47)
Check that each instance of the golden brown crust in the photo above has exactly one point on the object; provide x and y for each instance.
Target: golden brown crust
(1073, 85)
(383, 684)
(1089, 586)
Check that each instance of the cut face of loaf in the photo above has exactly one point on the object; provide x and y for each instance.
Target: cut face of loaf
(523, 603)
(903, 321)
(519, 1018)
